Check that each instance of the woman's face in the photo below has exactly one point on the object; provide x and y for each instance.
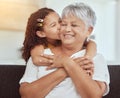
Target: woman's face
(52, 26)
(73, 30)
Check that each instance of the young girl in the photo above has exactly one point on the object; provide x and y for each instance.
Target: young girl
(48, 21)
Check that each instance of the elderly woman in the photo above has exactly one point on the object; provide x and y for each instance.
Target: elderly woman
(65, 78)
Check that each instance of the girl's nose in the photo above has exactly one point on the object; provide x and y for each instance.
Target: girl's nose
(59, 26)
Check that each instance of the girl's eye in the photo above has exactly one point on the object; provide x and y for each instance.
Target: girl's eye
(52, 25)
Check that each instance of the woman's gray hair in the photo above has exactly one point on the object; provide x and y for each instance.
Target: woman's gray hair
(82, 11)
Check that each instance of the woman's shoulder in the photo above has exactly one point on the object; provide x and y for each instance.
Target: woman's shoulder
(99, 56)
(100, 59)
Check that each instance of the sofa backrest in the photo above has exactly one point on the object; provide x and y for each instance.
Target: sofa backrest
(11, 74)
(114, 71)
(9, 80)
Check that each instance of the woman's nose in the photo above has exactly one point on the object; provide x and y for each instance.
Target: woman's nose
(68, 28)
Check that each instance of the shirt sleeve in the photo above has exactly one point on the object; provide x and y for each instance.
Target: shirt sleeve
(30, 73)
(101, 72)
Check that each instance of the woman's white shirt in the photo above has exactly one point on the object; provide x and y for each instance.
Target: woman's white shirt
(66, 88)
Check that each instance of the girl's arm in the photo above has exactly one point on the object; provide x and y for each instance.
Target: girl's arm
(91, 49)
(38, 58)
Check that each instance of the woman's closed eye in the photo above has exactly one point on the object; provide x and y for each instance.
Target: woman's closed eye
(75, 25)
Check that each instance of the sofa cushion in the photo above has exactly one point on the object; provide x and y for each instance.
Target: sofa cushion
(9, 80)
(11, 74)
(114, 71)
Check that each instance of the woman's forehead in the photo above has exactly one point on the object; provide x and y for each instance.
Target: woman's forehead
(71, 17)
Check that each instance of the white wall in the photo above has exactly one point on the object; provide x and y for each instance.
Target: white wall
(118, 31)
(57, 5)
(10, 45)
(13, 21)
(107, 31)
(14, 13)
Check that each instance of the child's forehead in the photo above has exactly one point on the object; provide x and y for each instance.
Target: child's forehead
(53, 16)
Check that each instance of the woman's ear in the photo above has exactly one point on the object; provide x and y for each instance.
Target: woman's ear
(90, 29)
(40, 34)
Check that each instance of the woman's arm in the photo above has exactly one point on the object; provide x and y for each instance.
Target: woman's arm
(41, 87)
(91, 49)
(85, 85)
(86, 64)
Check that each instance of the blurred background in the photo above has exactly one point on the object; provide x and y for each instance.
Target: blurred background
(14, 15)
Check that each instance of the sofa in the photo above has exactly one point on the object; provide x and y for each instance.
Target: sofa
(11, 74)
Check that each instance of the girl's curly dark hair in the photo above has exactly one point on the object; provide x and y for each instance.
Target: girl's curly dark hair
(31, 39)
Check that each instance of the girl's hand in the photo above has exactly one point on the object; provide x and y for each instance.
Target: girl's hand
(46, 60)
(59, 62)
(86, 64)
(39, 58)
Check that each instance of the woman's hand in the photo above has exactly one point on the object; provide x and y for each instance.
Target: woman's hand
(86, 64)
